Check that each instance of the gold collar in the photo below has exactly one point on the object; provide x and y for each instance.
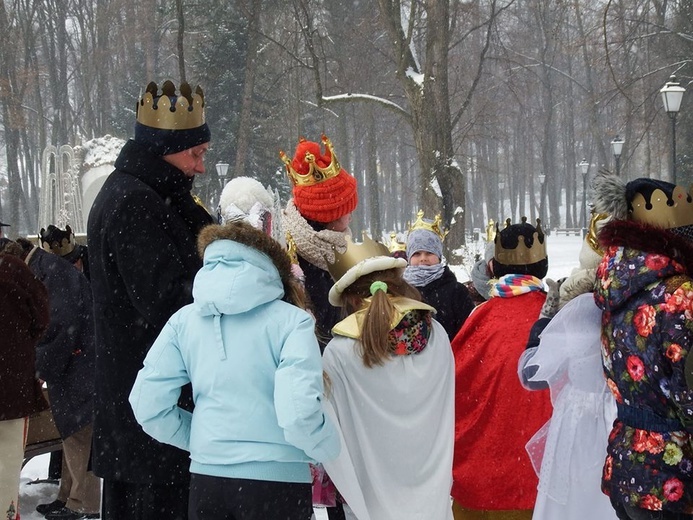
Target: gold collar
(351, 325)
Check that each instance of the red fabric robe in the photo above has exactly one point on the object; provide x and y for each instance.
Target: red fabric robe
(494, 415)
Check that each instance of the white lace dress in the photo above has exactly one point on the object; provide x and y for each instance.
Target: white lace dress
(568, 452)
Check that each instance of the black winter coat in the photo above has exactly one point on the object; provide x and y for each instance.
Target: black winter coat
(65, 354)
(318, 284)
(451, 299)
(142, 233)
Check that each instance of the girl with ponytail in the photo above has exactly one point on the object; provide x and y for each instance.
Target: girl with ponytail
(391, 392)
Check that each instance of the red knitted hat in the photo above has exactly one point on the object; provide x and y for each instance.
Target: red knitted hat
(322, 190)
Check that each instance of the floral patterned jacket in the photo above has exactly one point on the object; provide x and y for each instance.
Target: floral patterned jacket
(646, 295)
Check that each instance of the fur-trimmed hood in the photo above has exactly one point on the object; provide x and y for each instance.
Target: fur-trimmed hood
(638, 258)
(242, 268)
(649, 239)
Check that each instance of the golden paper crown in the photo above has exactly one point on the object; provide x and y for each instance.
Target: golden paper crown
(592, 238)
(55, 240)
(355, 253)
(396, 245)
(435, 226)
(186, 112)
(663, 211)
(315, 174)
(521, 254)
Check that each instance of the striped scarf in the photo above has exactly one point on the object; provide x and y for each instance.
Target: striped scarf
(514, 285)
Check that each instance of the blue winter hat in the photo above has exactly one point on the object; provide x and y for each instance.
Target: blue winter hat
(164, 142)
(424, 240)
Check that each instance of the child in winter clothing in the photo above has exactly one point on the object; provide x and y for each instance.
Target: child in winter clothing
(390, 369)
(568, 451)
(254, 363)
(488, 396)
(645, 292)
(434, 280)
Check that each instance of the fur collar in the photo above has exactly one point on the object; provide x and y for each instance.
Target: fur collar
(245, 234)
(649, 239)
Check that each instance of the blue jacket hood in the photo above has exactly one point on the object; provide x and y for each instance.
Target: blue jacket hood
(234, 279)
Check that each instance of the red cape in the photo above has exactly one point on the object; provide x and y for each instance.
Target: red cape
(494, 415)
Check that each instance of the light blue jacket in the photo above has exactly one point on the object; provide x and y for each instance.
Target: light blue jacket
(256, 372)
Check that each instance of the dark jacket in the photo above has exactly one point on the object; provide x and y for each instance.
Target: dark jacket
(645, 291)
(451, 299)
(23, 318)
(65, 354)
(142, 233)
(318, 284)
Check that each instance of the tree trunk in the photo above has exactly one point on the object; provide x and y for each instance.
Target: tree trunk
(245, 122)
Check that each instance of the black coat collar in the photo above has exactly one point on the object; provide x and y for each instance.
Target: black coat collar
(162, 177)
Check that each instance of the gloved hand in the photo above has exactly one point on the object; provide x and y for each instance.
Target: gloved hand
(550, 307)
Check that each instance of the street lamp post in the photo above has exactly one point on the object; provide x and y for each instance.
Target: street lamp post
(616, 149)
(584, 167)
(672, 94)
(222, 170)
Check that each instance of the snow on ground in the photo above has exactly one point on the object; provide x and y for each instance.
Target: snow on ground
(563, 254)
(30, 495)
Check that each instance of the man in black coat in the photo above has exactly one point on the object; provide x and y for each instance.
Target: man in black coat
(142, 233)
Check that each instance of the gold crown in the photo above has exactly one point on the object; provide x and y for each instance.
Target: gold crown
(521, 254)
(187, 111)
(396, 245)
(663, 211)
(592, 239)
(315, 174)
(355, 253)
(55, 240)
(435, 226)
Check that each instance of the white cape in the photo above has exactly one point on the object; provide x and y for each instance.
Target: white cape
(397, 427)
(568, 452)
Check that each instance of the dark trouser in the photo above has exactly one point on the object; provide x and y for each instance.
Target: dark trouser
(217, 498)
(128, 501)
(335, 513)
(628, 512)
(55, 465)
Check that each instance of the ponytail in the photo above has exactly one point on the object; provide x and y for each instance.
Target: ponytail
(375, 346)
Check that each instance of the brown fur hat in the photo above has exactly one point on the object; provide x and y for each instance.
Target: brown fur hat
(245, 234)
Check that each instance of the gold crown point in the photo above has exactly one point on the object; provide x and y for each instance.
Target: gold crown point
(316, 174)
(662, 210)
(436, 226)
(396, 245)
(157, 111)
(355, 252)
(521, 254)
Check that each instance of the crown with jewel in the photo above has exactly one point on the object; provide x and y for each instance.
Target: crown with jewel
(517, 237)
(656, 207)
(435, 226)
(355, 253)
(649, 201)
(309, 169)
(57, 241)
(167, 110)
